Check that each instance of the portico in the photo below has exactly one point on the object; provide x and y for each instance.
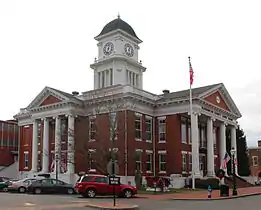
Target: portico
(45, 155)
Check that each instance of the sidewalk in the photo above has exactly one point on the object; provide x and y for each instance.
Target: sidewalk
(202, 195)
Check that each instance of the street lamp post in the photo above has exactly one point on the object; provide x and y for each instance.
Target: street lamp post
(233, 152)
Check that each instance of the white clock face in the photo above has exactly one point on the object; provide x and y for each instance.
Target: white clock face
(108, 48)
(218, 99)
(129, 50)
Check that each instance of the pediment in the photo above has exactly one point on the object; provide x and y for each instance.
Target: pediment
(219, 97)
(46, 97)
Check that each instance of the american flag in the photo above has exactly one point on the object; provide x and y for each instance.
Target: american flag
(226, 159)
(191, 72)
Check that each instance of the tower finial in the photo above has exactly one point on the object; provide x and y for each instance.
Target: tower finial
(119, 15)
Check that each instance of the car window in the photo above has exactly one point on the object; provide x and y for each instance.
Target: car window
(101, 179)
(87, 179)
(58, 182)
(47, 182)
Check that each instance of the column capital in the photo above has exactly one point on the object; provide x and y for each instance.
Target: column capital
(57, 116)
(71, 115)
(197, 113)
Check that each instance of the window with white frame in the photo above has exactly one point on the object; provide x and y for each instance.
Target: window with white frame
(138, 159)
(162, 129)
(189, 134)
(162, 161)
(190, 162)
(138, 126)
(255, 160)
(203, 137)
(184, 161)
(183, 132)
(148, 126)
(215, 138)
(26, 160)
(113, 125)
(92, 128)
(149, 161)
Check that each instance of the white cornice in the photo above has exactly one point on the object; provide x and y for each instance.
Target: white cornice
(119, 57)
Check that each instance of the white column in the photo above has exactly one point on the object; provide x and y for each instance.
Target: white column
(210, 149)
(45, 154)
(222, 142)
(57, 144)
(234, 144)
(70, 153)
(195, 145)
(35, 147)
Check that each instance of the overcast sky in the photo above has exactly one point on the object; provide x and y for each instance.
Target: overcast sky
(50, 43)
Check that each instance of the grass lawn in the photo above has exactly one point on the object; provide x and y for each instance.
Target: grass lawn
(182, 190)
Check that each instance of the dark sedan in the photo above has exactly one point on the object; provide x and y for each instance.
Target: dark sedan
(50, 186)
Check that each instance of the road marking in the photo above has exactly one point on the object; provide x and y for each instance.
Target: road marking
(29, 204)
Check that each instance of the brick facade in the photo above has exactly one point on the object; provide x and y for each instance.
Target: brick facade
(8, 142)
(171, 150)
(254, 155)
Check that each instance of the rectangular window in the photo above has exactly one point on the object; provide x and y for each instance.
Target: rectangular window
(183, 133)
(148, 128)
(203, 137)
(111, 77)
(199, 136)
(190, 162)
(137, 80)
(26, 160)
(103, 79)
(149, 162)
(162, 130)
(201, 162)
(255, 160)
(92, 128)
(162, 161)
(184, 161)
(138, 127)
(215, 162)
(138, 160)
(99, 79)
(113, 125)
(189, 134)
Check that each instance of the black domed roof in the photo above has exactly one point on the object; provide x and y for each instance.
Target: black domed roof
(118, 24)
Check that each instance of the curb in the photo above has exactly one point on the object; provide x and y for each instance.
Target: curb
(215, 199)
(104, 207)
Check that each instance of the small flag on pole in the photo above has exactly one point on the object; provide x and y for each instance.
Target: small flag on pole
(225, 161)
(191, 72)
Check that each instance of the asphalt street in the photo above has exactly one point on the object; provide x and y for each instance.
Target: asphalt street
(10, 201)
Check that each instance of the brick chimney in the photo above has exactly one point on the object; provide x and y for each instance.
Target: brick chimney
(259, 143)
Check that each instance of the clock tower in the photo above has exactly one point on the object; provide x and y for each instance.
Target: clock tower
(118, 60)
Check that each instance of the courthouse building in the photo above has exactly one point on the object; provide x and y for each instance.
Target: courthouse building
(153, 131)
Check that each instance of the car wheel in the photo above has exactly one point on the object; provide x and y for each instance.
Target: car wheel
(128, 193)
(37, 191)
(91, 193)
(5, 189)
(70, 191)
(21, 189)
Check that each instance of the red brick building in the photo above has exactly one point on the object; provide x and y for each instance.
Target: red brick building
(254, 156)
(8, 142)
(153, 132)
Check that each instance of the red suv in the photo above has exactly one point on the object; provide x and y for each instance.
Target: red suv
(91, 185)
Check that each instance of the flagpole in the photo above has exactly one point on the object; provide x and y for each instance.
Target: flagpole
(191, 112)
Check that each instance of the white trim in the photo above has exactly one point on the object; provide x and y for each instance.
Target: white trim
(26, 152)
(137, 114)
(162, 172)
(139, 150)
(149, 151)
(253, 157)
(148, 117)
(184, 152)
(162, 152)
(161, 118)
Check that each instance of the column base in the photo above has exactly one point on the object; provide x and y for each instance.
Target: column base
(211, 174)
(197, 175)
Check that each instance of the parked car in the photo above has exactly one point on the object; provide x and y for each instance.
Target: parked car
(50, 186)
(4, 179)
(91, 185)
(4, 186)
(21, 185)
